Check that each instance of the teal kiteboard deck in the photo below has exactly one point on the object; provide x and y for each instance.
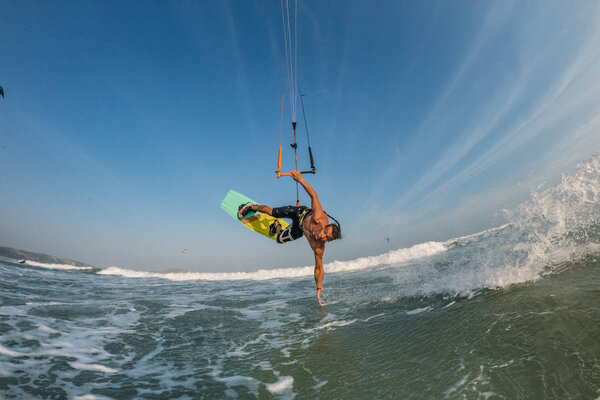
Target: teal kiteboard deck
(255, 221)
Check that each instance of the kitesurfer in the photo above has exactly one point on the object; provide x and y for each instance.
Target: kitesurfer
(311, 222)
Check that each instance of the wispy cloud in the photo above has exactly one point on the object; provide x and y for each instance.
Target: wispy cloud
(579, 82)
(577, 85)
(238, 61)
(495, 18)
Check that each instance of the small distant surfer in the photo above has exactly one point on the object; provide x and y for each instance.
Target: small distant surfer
(313, 223)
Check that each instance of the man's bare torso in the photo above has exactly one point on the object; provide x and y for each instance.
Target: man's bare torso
(310, 226)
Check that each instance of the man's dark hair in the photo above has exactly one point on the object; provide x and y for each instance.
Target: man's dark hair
(336, 229)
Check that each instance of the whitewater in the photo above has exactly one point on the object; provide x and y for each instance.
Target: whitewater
(510, 312)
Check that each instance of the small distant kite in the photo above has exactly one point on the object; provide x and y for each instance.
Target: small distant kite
(388, 239)
(183, 251)
(2, 91)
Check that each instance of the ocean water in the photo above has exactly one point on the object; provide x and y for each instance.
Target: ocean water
(509, 313)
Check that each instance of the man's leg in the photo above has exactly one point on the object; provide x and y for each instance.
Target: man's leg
(291, 212)
(287, 234)
(247, 208)
(276, 230)
(263, 209)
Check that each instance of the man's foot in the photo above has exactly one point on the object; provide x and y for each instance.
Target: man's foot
(244, 210)
(273, 228)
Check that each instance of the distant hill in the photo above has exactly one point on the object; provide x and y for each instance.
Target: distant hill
(42, 258)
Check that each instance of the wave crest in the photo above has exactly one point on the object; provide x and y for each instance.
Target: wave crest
(57, 266)
(395, 257)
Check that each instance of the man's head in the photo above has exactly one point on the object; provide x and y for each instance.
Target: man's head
(329, 233)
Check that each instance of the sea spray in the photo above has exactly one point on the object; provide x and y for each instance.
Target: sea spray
(559, 222)
(557, 225)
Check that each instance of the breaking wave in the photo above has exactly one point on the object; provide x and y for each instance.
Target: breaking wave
(57, 266)
(395, 257)
(556, 228)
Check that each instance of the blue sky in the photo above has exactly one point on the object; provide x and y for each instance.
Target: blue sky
(125, 123)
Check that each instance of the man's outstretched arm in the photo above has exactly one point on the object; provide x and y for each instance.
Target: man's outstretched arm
(316, 207)
(319, 273)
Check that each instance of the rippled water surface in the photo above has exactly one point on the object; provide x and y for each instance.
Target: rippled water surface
(509, 313)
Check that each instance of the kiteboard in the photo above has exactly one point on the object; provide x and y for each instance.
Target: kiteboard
(256, 221)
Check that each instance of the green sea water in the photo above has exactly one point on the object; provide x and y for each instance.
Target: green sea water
(83, 335)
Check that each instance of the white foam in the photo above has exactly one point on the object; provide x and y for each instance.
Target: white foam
(237, 380)
(336, 324)
(320, 384)
(394, 257)
(10, 353)
(284, 384)
(419, 310)
(477, 236)
(456, 386)
(93, 367)
(180, 310)
(55, 266)
(46, 329)
(373, 316)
